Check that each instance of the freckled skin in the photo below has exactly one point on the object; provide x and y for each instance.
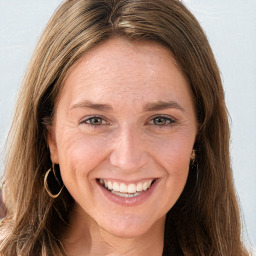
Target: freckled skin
(127, 145)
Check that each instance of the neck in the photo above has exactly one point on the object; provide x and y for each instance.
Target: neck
(84, 237)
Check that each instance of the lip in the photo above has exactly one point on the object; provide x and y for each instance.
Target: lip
(129, 201)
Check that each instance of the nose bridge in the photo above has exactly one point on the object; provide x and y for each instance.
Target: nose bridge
(128, 149)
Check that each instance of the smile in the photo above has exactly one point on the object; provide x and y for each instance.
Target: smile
(126, 190)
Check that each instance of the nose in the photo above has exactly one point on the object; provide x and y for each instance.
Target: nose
(129, 151)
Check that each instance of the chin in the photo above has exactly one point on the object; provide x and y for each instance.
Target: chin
(131, 227)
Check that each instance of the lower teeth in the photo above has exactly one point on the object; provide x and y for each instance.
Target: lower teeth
(125, 195)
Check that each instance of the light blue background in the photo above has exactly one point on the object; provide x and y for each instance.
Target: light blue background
(231, 28)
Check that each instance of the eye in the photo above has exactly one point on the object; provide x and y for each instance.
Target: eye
(162, 121)
(95, 120)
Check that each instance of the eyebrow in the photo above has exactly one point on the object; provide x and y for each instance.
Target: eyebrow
(92, 105)
(161, 105)
(155, 106)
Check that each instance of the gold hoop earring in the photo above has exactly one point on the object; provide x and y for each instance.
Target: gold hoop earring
(46, 183)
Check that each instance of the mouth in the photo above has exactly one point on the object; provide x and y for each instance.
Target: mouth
(129, 190)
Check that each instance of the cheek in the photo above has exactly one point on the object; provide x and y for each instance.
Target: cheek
(174, 154)
(78, 155)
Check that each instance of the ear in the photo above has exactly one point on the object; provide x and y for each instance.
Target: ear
(51, 141)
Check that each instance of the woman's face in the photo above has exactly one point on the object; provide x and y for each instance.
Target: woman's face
(123, 134)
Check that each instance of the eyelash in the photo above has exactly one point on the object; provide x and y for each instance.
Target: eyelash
(89, 120)
(168, 121)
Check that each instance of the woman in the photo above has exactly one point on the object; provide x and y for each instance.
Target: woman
(120, 142)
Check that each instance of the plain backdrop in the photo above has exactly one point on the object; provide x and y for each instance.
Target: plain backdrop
(231, 29)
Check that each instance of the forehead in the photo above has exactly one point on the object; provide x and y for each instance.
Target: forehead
(122, 67)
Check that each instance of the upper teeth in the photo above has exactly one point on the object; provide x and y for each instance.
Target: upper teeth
(123, 188)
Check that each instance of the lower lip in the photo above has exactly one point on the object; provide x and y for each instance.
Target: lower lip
(129, 201)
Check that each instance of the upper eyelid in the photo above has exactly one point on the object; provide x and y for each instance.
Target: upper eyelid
(83, 120)
(163, 116)
(172, 121)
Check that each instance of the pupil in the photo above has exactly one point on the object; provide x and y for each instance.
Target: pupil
(159, 120)
(95, 121)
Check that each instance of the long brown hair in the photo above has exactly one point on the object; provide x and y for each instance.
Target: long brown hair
(205, 220)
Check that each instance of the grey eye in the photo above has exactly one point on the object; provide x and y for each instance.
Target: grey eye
(161, 121)
(94, 121)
